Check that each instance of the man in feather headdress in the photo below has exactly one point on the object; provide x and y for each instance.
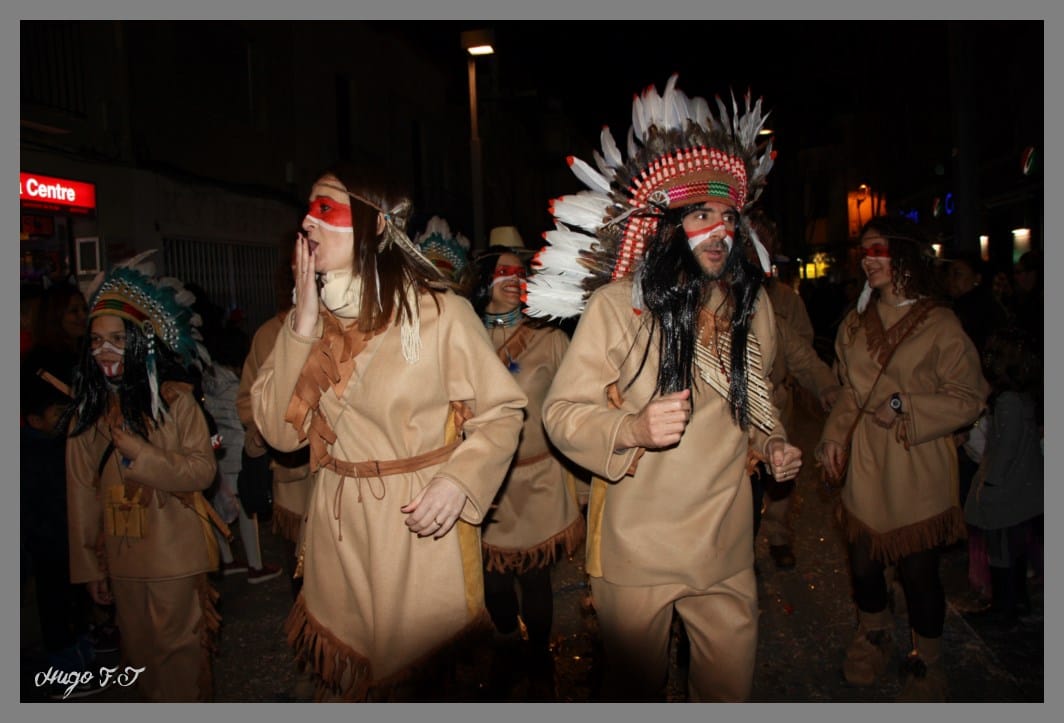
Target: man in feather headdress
(664, 391)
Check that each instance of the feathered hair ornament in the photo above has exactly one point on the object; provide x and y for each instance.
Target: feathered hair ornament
(679, 154)
(161, 307)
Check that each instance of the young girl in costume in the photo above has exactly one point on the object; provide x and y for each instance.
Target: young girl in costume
(138, 456)
(411, 423)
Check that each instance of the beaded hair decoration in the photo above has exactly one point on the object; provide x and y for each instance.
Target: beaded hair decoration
(679, 154)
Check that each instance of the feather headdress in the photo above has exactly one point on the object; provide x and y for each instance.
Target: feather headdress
(679, 154)
(448, 251)
(162, 307)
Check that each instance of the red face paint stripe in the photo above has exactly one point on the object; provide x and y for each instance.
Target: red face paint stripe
(330, 211)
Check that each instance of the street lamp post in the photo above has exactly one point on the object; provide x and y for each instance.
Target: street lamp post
(476, 42)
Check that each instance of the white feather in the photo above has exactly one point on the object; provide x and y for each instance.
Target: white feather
(554, 297)
(600, 162)
(610, 151)
(699, 112)
(674, 105)
(588, 175)
(462, 241)
(864, 298)
(585, 209)
(639, 121)
(762, 252)
(632, 148)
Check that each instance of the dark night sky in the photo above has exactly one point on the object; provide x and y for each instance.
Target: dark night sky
(805, 70)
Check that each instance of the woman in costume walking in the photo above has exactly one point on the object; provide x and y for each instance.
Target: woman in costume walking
(911, 377)
(535, 517)
(411, 423)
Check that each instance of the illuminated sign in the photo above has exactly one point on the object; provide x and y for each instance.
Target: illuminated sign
(56, 194)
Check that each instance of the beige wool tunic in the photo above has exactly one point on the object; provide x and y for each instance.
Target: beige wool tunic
(685, 515)
(904, 500)
(377, 600)
(291, 482)
(146, 528)
(535, 516)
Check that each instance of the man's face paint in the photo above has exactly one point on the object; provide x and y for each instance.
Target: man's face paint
(718, 230)
(503, 274)
(330, 214)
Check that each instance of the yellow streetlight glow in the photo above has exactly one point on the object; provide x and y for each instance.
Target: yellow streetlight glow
(481, 50)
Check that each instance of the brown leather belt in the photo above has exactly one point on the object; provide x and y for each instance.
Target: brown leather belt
(377, 468)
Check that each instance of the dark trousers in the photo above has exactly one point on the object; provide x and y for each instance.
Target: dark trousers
(925, 598)
(536, 604)
(63, 608)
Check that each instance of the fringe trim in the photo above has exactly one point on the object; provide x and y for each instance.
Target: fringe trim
(330, 659)
(286, 523)
(881, 341)
(888, 547)
(209, 627)
(499, 559)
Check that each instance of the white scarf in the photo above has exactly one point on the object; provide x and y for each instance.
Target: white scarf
(341, 293)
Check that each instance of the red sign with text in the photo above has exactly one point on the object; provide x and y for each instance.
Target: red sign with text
(56, 194)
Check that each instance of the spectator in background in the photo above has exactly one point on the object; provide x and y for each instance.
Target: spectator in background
(973, 301)
(292, 477)
(58, 332)
(62, 608)
(220, 386)
(1027, 305)
(796, 363)
(1006, 498)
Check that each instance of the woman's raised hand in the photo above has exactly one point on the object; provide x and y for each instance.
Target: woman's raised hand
(306, 314)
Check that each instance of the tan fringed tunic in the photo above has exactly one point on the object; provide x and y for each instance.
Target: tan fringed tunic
(535, 517)
(683, 514)
(378, 602)
(901, 490)
(146, 528)
(291, 482)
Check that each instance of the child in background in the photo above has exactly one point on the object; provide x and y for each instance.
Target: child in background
(1006, 497)
(220, 385)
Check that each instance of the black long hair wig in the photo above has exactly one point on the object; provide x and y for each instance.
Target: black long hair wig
(92, 389)
(675, 288)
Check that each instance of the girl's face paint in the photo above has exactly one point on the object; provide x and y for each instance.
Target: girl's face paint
(329, 226)
(876, 260)
(507, 273)
(507, 284)
(107, 340)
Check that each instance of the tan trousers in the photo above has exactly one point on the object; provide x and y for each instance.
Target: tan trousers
(721, 623)
(159, 625)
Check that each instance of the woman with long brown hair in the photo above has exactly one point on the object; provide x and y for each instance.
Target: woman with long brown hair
(411, 422)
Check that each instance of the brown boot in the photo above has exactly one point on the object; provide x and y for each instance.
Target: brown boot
(871, 649)
(925, 676)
